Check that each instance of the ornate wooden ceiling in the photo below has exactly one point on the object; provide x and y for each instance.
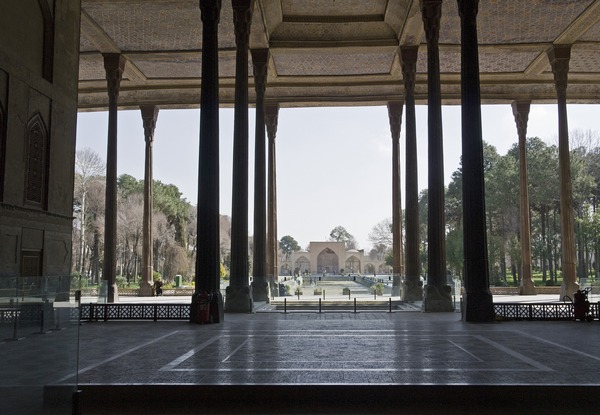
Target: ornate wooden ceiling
(336, 52)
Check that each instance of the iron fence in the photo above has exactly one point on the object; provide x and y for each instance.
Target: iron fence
(541, 311)
(155, 312)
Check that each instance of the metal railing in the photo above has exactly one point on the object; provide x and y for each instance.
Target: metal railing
(155, 312)
(508, 311)
(541, 311)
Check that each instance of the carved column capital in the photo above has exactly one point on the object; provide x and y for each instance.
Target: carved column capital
(431, 11)
(520, 111)
(210, 11)
(114, 65)
(271, 116)
(408, 61)
(559, 56)
(468, 9)
(242, 19)
(149, 117)
(395, 116)
(260, 60)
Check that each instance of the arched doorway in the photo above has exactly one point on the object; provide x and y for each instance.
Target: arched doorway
(302, 264)
(327, 261)
(352, 265)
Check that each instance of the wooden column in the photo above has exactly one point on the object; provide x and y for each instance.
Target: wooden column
(260, 286)
(478, 304)
(395, 117)
(271, 114)
(437, 294)
(207, 230)
(521, 113)
(239, 292)
(149, 117)
(559, 56)
(114, 64)
(412, 289)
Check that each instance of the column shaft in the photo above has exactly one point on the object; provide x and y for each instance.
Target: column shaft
(395, 117)
(207, 230)
(114, 65)
(412, 289)
(260, 286)
(271, 114)
(437, 296)
(239, 292)
(521, 114)
(478, 304)
(149, 117)
(559, 57)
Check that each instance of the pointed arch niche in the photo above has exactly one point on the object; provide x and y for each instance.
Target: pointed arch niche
(36, 172)
(302, 264)
(328, 261)
(352, 265)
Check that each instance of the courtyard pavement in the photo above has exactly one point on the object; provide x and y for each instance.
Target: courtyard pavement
(369, 354)
(391, 358)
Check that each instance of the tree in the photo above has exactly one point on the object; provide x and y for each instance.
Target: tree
(381, 233)
(95, 222)
(130, 213)
(542, 172)
(340, 234)
(287, 244)
(167, 198)
(88, 167)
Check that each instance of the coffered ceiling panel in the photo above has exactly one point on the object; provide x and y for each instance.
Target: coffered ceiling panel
(333, 8)
(336, 52)
(333, 63)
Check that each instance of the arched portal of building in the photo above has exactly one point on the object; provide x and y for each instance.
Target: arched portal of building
(328, 261)
(302, 265)
(352, 265)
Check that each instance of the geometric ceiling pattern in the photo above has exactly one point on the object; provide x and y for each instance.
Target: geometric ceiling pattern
(336, 52)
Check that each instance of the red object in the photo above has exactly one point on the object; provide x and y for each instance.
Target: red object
(203, 308)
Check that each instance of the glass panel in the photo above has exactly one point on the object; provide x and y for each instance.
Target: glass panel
(39, 334)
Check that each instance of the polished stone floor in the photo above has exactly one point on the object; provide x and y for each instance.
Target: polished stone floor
(375, 348)
(253, 359)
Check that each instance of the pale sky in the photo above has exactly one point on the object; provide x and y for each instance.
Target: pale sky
(333, 164)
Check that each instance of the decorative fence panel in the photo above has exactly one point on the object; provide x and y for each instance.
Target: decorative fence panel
(105, 312)
(155, 312)
(541, 311)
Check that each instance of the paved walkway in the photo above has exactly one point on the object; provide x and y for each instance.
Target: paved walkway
(400, 348)
(371, 351)
(371, 355)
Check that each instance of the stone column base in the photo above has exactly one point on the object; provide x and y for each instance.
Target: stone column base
(478, 307)
(239, 299)
(396, 285)
(527, 288)
(261, 291)
(438, 299)
(215, 311)
(109, 293)
(568, 288)
(146, 289)
(412, 289)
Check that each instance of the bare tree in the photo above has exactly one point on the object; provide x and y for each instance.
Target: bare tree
(130, 213)
(88, 167)
(95, 222)
(381, 233)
